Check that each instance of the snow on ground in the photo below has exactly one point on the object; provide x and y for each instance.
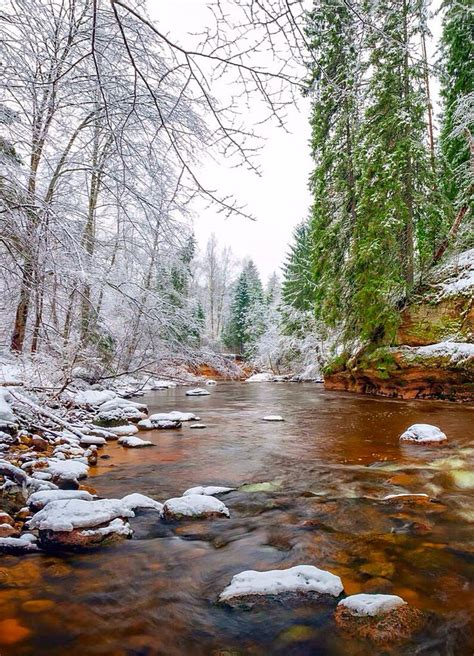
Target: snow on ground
(455, 351)
(94, 397)
(67, 470)
(423, 433)
(371, 604)
(39, 500)
(456, 275)
(197, 391)
(161, 384)
(209, 490)
(260, 378)
(7, 416)
(194, 505)
(136, 500)
(302, 578)
(133, 442)
(68, 514)
(273, 418)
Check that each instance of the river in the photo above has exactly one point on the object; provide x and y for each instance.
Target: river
(325, 470)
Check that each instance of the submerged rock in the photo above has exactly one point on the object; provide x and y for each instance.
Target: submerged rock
(194, 506)
(380, 618)
(305, 580)
(423, 434)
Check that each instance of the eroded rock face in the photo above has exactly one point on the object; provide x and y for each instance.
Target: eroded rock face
(382, 619)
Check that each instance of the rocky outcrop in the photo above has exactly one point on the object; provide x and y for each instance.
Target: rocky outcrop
(433, 352)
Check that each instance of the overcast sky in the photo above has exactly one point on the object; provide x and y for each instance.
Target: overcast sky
(279, 199)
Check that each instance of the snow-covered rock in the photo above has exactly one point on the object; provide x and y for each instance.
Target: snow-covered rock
(133, 442)
(136, 501)
(162, 384)
(300, 579)
(197, 391)
(124, 431)
(456, 352)
(175, 415)
(7, 417)
(273, 418)
(119, 402)
(39, 500)
(194, 506)
(260, 378)
(371, 604)
(69, 471)
(197, 426)
(69, 514)
(158, 424)
(94, 440)
(209, 490)
(422, 434)
(94, 397)
(25, 543)
(211, 382)
(407, 496)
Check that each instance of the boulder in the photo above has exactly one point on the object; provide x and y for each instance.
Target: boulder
(158, 424)
(194, 506)
(423, 434)
(198, 391)
(209, 490)
(301, 581)
(383, 619)
(132, 442)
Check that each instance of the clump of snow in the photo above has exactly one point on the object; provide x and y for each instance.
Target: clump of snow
(133, 442)
(198, 391)
(422, 434)
(302, 578)
(136, 500)
(260, 378)
(209, 490)
(94, 397)
(68, 514)
(194, 505)
(273, 418)
(117, 526)
(67, 470)
(26, 542)
(39, 500)
(372, 604)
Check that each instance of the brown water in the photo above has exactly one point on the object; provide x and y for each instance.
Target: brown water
(329, 464)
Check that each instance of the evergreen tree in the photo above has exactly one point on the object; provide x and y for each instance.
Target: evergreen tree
(334, 34)
(457, 87)
(246, 322)
(298, 279)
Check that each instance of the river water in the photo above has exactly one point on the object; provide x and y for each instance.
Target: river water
(325, 470)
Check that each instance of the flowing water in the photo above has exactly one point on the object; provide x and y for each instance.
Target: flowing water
(322, 472)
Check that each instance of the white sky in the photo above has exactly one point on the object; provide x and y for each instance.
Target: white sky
(280, 198)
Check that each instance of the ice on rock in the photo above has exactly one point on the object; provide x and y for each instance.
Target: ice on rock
(94, 397)
(194, 505)
(372, 604)
(273, 418)
(210, 490)
(39, 500)
(133, 442)
(302, 578)
(135, 501)
(69, 514)
(423, 433)
(198, 391)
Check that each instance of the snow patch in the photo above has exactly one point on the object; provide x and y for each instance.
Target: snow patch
(372, 604)
(94, 397)
(39, 500)
(260, 378)
(136, 500)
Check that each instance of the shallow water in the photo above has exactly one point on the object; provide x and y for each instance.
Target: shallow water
(327, 467)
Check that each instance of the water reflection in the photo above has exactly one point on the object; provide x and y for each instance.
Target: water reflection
(326, 469)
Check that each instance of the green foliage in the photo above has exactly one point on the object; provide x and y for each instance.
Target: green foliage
(247, 312)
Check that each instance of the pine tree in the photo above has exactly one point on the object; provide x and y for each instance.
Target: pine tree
(298, 280)
(335, 87)
(246, 322)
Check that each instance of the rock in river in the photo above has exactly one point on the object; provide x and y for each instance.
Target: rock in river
(302, 580)
(209, 490)
(381, 618)
(194, 506)
(198, 391)
(423, 434)
(133, 442)
(72, 523)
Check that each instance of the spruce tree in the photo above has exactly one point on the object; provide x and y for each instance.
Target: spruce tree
(298, 277)
(246, 322)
